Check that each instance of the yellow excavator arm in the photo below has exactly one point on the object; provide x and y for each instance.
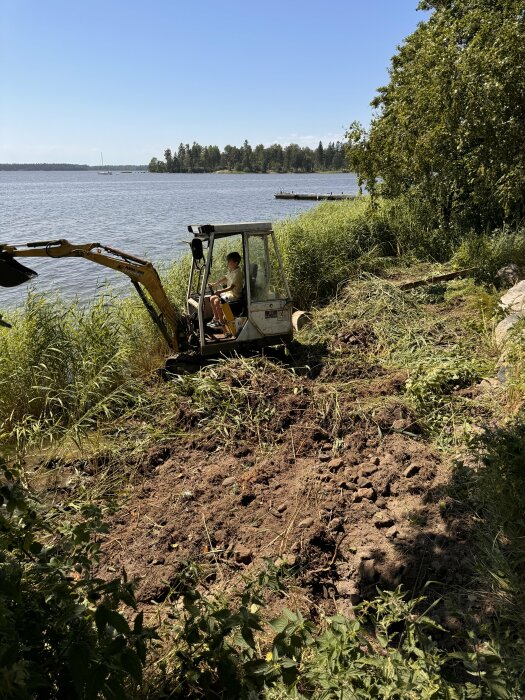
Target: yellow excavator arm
(141, 272)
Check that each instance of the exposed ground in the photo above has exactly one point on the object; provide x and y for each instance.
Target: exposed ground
(320, 464)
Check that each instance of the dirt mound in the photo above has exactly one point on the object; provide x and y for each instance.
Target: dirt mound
(347, 515)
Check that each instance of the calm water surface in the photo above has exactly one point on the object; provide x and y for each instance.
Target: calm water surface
(141, 213)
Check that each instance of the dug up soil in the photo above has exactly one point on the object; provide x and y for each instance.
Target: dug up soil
(347, 501)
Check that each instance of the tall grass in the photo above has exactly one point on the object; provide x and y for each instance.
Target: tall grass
(63, 363)
(325, 247)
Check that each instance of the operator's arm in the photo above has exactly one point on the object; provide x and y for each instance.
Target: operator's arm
(221, 281)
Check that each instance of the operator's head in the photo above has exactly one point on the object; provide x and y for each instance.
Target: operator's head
(233, 259)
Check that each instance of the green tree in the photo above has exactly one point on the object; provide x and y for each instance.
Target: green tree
(246, 157)
(169, 160)
(260, 158)
(319, 157)
(329, 154)
(181, 157)
(450, 126)
(276, 157)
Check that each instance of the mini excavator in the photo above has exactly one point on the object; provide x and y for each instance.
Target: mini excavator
(262, 317)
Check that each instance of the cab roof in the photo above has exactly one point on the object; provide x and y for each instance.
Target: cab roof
(222, 230)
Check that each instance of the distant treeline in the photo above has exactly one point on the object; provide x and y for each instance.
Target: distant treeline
(67, 166)
(274, 158)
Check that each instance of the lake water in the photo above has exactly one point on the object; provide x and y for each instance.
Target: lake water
(141, 213)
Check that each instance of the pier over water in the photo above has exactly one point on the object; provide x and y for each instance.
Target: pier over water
(313, 196)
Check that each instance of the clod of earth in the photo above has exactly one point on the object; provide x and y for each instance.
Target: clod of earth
(368, 494)
(307, 522)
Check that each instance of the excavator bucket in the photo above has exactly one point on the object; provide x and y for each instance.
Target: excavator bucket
(12, 273)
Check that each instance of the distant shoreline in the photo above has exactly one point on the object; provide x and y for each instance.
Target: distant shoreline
(66, 167)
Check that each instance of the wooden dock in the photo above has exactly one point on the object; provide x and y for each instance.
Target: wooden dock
(313, 196)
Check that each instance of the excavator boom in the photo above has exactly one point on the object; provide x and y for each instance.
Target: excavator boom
(141, 272)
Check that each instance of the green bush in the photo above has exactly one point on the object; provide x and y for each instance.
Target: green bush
(61, 634)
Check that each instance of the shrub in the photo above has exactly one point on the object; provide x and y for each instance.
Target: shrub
(61, 635)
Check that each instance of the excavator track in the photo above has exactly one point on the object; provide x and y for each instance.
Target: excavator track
(181, 364)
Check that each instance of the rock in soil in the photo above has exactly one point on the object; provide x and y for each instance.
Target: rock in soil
(306, 522)
(242, 554)
(335, 465)
(364, 494)
(382, 519)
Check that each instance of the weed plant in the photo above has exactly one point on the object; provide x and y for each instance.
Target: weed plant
(495, 490)
(226, 649)
(62, 631)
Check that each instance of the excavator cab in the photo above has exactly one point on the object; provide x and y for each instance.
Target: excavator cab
(263, 315)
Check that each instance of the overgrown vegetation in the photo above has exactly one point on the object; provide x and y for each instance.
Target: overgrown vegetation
(62, 633)
(84, 377)
(228, 649)
(78, 397)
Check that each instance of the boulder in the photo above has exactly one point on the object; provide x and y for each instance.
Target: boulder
(508, 275)
(514, 300)
(503, 327)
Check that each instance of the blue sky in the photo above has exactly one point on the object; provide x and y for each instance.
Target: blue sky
(131, 77)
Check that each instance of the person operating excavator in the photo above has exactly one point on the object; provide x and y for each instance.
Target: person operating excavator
(232, 292)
